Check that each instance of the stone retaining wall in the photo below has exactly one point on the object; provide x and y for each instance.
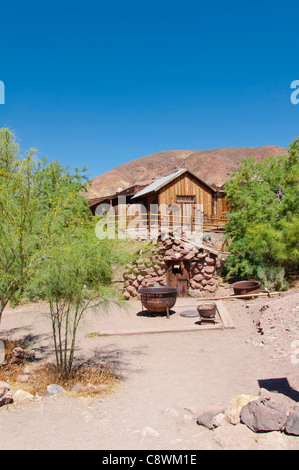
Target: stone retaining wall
(201, 263)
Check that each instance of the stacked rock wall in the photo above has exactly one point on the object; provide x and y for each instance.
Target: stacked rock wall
(200, 262)
(141, 275)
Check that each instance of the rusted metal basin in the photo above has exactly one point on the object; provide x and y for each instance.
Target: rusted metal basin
(207, 310)
(158, 299)
(246, 287)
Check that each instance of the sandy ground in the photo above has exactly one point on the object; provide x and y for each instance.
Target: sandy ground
(167, 380)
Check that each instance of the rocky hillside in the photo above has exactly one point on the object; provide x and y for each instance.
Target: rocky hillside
(213, 166)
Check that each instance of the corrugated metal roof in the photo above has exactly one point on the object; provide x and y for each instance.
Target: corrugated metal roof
(157, 184)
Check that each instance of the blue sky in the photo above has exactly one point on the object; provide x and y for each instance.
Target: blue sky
(99, 83)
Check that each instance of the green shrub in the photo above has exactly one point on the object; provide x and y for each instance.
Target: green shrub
(272, 279)
(262, 233)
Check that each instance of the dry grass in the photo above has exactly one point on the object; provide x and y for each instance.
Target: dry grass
(44, 375)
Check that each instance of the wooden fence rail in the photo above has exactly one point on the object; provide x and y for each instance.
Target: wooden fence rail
(162, 222)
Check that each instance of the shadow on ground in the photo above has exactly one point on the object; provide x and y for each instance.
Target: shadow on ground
(280, 385)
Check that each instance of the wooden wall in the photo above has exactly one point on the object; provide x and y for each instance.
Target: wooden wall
(222, 205)
(187, 185)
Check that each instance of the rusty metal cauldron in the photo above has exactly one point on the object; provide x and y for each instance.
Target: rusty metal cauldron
(158, 299)
(207, 311)
(246, 287)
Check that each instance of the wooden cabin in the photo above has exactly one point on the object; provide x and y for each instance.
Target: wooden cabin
(181, 199)
(186, 191)
(113, 200)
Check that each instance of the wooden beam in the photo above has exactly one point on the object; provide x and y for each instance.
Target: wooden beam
(225, 318)
(243, 296)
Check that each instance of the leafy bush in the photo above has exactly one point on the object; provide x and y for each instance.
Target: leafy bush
(272, 278)
(262, 233)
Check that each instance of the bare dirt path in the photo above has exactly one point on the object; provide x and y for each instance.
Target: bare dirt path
(167, 381)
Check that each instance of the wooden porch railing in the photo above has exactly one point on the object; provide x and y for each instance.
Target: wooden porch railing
(160, 223)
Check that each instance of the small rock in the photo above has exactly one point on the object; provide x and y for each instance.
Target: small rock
(96, 388)
(147, 431)
(170, 412)
(77, 387)
(5, 394)
(211, 289)
(53, 390)
(23, 378)
(4, 387)
(20, 353)
(209, 419)
(264, 393)
(132, 291)
(209, 269)
(101, 387)
(28, 370)
(126, 295)
(232, 414)
(219, 420)
(189, 256)
(198, 277)
(21, 396)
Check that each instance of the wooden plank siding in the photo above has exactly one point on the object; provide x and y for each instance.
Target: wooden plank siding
(222, 205)
(171, 202)
(187, 185)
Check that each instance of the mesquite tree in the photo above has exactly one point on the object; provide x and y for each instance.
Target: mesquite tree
(75, 277)
(37, 200)
(48, 246)
(263, 227)
(18, 236)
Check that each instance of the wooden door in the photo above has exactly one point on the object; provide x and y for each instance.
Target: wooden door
(186, 204)
(177, 276)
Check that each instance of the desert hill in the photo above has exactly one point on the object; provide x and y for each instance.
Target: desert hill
(213, 166)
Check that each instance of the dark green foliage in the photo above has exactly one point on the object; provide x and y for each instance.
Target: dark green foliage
(263, 228)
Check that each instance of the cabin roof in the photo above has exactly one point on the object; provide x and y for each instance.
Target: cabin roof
(159, 183)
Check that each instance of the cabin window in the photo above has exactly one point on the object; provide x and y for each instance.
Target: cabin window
(176, 269)
(185, 199)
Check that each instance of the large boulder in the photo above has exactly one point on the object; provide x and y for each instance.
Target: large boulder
(292, 425)
(264, 415)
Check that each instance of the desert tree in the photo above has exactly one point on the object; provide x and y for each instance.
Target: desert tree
(37, 199)
(263, 228)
